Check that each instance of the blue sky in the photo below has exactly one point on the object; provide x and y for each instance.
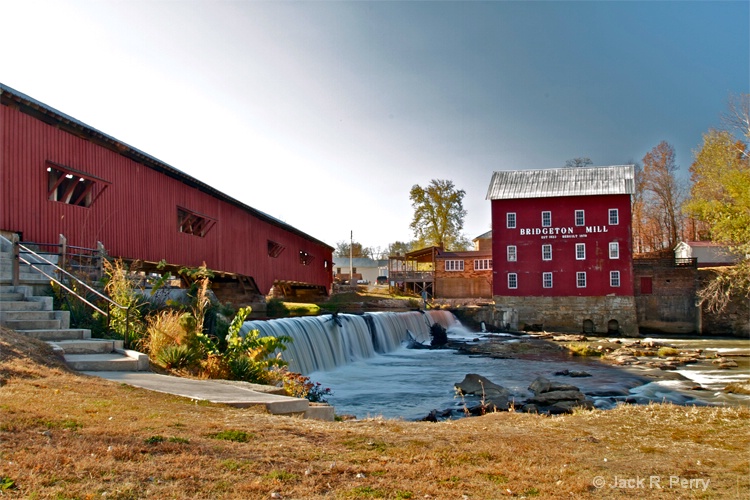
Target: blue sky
(324, 114)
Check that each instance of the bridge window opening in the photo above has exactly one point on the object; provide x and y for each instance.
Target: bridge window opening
(190, 222)
(73, 187)
(275, 249)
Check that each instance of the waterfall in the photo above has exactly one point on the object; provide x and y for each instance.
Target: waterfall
(325, 342)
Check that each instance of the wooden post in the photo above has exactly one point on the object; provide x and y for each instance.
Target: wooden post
(102, 255)
(63, 251)
(16, 271)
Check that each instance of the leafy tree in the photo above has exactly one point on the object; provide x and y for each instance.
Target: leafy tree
(342, 249)
(438, 215)
(663, 196)
(720, 194)
(720, 197)
(400, 248)
(579, 162)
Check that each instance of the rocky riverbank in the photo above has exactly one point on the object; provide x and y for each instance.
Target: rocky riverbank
(649, 367)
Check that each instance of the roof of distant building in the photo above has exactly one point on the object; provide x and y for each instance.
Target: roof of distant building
(707, 253)
(575, 181)
(361, 262)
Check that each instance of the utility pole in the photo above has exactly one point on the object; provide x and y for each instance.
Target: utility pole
(351, 253)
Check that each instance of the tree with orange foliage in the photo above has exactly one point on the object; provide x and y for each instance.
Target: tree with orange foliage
(662, 197)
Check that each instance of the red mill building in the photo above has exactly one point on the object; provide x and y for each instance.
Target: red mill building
(562, 248)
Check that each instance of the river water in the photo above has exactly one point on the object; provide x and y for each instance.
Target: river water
(410, 383)
(363, 360)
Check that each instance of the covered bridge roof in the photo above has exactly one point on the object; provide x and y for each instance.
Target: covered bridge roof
(51, 116)
(575, 181)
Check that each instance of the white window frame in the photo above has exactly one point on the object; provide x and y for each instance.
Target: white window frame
(483, 264)
(547, 255)
(614, 216)
(614, 250)
(546, 218)
(614, 279)
(581, 279)
(512, 253)
(454, 265)
(510, 220)
(512, 281)
(580, 251)
(580, 218)
(546, 280)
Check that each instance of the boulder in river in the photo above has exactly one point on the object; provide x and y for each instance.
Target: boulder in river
(555, 398)
(495, 396)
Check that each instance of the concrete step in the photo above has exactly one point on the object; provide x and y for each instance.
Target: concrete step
(58, 334)
(88, 346)
(110, 362)
(8, 315)
(32, 324)
(119, 361)
(11, 296)
(27, 305)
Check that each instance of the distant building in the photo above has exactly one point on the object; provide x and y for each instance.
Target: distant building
(706, 253)
(561, 241)
(363, 268)
(446, 275)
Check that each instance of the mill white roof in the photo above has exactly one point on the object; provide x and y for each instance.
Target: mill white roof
(575, 181)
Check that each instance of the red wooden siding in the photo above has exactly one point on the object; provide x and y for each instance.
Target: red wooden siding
(136, 216)
(529, 265)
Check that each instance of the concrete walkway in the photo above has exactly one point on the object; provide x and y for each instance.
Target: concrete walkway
(234, 394)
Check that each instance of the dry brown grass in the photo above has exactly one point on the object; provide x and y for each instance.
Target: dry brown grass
(65, 435)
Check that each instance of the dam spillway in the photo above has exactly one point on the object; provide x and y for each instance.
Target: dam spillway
(322, 343)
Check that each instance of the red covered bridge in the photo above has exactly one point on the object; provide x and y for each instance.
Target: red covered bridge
(62, 177)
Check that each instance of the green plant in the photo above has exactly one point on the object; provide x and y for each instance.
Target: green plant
(7, 483)
(251, 357)
(280, 475)
(127, 320)
(176, 356)
(154, 440)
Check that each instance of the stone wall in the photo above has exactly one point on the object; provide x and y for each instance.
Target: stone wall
(670, 306)
(569, 314)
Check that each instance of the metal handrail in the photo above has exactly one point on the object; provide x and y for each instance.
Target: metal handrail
(59, 282)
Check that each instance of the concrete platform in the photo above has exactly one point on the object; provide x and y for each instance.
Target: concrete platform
(218, 392)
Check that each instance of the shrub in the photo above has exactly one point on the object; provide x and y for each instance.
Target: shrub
(275, 308)
(175, 357)
(665, 352)
(300, 386)
(164, 328)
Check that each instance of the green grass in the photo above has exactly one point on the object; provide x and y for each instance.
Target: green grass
(232, 435)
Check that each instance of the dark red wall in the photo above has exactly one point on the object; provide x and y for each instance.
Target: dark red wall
(136, 216)
(530, 266)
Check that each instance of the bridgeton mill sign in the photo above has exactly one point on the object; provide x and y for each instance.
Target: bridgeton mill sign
(551, 233)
